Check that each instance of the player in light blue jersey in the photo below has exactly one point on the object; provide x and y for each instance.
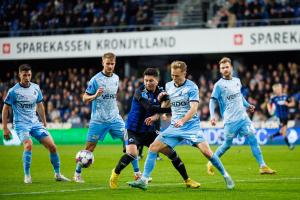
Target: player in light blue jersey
(185, 125)
(232, 104)
(25, 98)
(102, 92)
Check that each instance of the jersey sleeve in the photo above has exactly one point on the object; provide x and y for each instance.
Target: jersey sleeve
(9, 99)
(92, 87)
(194, 94)
(40, 95)
(216, 92)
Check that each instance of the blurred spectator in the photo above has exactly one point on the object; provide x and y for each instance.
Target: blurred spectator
(256, 13)
(42, 15)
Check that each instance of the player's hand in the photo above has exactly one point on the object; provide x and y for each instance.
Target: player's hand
(251, 108)
(6, 134)
(213, 121)
(150, 120)
(161, 95)
(99, 91)
(179, 123)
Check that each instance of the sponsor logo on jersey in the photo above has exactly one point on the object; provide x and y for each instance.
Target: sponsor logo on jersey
(179, 103)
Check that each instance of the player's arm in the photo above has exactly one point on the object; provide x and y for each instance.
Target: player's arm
(192, 111)
(212, 107)
(41, 112)
(290, 103)
(90, 97)
(150, 120)
(270, 106)
(149, 107)
(247, 105)
(6, 132)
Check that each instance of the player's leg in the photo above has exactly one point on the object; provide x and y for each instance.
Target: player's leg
(117, 130)
(214, 159)
(283, 131)
(229, 134)
(140, 149)
(249, 132)
(96, 131)
(169, 139)
(179, 166)
(131, 141)
(27, 154)
(48, 142)
(24, 136)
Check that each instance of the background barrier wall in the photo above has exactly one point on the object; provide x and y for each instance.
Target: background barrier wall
(213, 136)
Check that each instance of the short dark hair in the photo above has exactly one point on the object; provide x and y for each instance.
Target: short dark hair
(24, 67)
(151, 72)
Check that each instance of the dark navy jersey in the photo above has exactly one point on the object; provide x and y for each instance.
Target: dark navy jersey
(281, 110)
(144, 104)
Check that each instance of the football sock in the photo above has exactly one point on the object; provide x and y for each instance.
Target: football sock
(54, 158)
(78, 168)
(276, 134)
(27, 162)
(135, 164)
(178, 164)
(286, 141)
(218, 164)
(256, 151)
(223, 148)
(149, 164)
(124, 161)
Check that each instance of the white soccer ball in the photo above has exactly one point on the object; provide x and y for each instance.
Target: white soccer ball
(85, 158)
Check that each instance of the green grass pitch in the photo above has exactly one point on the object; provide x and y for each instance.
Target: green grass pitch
(167, 183)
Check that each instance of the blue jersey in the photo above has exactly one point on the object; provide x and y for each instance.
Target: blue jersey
(141, 109)
(281, 110)
(180, 98)
(104, 107)
(228, 94)
(23, 101)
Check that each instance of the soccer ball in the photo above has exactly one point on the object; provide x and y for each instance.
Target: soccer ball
(84, 158)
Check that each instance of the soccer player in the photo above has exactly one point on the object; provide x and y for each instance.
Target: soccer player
(102, 92)
(185, 125)
(232, 104)
(281, 103)
(142, 127)
(25, 98)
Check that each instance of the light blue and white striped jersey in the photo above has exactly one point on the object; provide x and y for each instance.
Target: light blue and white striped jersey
(230, 99)
(104, 107)
(23, 102)
(180, 98)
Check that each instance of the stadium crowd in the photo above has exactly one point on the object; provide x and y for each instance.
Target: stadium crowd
(237, 13)
(25, 15)
(63, 89)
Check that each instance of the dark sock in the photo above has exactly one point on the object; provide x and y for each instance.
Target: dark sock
(286, 141)
(178, 164)
(123, 162)
(276, 134)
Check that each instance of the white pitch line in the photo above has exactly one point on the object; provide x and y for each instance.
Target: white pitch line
(152, 185)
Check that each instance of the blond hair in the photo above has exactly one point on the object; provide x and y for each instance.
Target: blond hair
(179, 65)
(109, 55)
(225, 60)
(276, 85)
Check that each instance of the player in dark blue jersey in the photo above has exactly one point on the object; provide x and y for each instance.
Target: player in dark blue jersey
(142, 130)
(280, 103)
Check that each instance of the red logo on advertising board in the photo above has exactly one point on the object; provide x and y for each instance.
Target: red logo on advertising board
(6, 48)
(238, 39)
